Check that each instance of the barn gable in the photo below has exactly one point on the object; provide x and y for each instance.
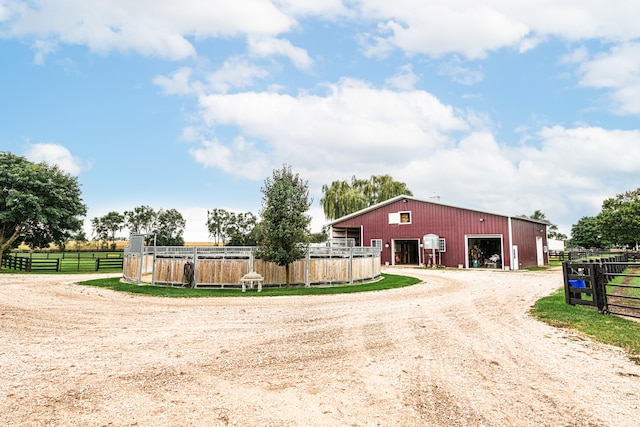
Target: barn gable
(465, 237)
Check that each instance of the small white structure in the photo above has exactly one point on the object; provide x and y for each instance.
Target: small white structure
(251, 278)
(555, 245)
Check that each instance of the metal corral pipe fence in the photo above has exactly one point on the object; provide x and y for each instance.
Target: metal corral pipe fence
(220, 267)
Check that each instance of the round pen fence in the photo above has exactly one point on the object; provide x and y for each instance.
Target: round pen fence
(220, 267)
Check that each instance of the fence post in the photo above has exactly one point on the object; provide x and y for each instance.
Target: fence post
(351, 265)
(599, 283)
(307, 269)
(195, 266)
(565, 274)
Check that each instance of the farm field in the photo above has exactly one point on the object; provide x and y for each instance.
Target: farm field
(456, 350)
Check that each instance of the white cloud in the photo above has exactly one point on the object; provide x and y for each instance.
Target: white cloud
(235, 73)
(435, 28)
(618, 71)
(241, 158)
(461, 74)
(404, 79)
(149, 27)
(55, 154)
(576, 56)
(42, 49)
(178, 83)
(4, 12)
(472, 29)
(271, 46)
(353, 127)
(166, 29)
(324, 8)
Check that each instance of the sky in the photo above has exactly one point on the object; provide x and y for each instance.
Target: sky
(502, 106)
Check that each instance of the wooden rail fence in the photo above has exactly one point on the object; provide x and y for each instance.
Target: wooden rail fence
(611, 284)
(30, 264)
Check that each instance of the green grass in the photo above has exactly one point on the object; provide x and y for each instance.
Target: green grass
(608, 329)
(388, 281)
(633, 281)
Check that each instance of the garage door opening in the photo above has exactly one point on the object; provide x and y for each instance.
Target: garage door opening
(406, 252)
(485, 252)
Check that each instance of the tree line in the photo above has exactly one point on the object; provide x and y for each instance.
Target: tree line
(616, 225)
(164, 227)
(40, 204)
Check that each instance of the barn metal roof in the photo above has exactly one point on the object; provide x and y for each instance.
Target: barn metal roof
(405, 197)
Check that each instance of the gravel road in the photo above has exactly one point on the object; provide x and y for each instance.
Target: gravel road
(456, 350)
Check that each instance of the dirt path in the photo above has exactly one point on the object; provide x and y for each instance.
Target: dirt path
(457, 350)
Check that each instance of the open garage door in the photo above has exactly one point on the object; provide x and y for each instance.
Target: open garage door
(485, 251)
(406, 252)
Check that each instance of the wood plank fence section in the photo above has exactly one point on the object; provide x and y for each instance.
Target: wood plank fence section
(224, 267)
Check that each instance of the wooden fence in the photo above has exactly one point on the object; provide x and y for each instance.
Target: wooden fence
(610, 284)
(224, 266)
(63, 261)
(30, 264)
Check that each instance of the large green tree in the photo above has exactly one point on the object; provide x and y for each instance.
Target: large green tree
(100, 232)
(141, 220)
(552, 229)
(240, 230)
(39, 203)
(342, 198)
(218, 221)
(586, 234)
(231, 228)
(284, 230)
(619, 220)
(113, 222)
(170, 228)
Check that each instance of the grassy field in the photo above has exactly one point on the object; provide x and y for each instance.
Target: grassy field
(70, 262)
(389, 281)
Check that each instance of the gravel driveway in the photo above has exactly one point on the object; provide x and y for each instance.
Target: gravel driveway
(456, 350)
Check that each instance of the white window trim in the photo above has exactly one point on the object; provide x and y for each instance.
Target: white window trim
(400, 216)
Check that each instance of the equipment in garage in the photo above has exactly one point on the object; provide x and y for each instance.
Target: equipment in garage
(485, 252)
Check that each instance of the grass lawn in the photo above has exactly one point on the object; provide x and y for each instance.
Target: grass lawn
(608, 329)
(388, 281)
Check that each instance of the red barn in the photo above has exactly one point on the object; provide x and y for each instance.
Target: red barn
(413, 232)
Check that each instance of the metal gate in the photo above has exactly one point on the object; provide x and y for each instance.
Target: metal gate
(611, 284)
(622, 288)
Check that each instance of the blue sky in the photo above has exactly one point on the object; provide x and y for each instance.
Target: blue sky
(506, 107)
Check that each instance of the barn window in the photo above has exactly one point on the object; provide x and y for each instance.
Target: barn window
(442, 245)
(376, 243)
(400, 217)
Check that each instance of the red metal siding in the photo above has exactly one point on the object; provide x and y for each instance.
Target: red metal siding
(448, 222)
(524, 236)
